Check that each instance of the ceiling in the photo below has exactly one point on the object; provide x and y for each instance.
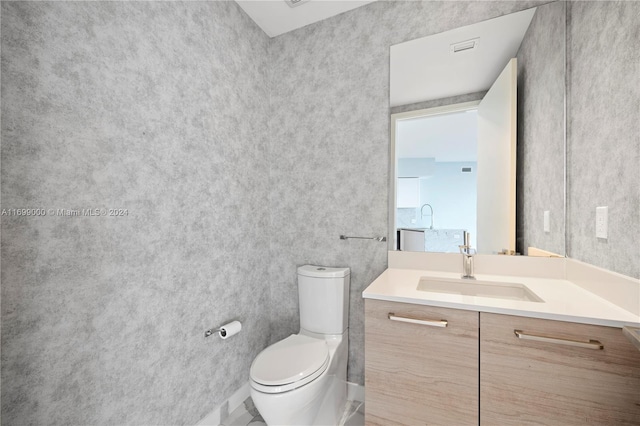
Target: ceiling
(276, 17)
(445, 137)
(426, 69)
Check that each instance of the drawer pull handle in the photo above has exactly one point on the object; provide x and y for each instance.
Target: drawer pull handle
(431, 323)
(589, 344)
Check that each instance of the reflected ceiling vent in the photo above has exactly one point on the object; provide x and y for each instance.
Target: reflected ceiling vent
(463, 46)
(294, 3)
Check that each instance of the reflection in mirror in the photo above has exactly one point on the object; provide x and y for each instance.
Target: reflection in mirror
(434, 212)
(454, 168)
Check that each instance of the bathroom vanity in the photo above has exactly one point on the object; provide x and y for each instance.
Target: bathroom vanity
(535, 348)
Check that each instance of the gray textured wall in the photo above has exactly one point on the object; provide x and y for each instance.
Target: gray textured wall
(330, 141)
(541, 144)
(163, 108)
(604, 133)
(160, 108)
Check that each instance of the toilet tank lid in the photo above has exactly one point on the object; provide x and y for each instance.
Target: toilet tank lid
(322, 271)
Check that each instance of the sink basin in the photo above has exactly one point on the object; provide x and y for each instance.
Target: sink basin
(495, 290)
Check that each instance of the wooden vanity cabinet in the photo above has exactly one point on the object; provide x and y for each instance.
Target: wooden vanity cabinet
(417, 370)
(552, 380)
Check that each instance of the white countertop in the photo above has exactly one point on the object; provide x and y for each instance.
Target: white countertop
(563, 300)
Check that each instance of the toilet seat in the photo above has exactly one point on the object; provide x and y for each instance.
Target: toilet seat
(289, 364)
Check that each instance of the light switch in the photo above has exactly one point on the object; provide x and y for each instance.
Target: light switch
(547, 221)
(602, 222)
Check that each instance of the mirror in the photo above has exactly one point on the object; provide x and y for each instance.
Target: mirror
(454, 171)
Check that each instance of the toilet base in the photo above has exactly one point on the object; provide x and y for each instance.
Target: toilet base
(318, 403)
(333, 405)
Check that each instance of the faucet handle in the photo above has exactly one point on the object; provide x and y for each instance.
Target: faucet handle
(465, 249)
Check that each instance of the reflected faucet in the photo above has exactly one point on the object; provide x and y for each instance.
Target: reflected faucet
(467, 258)
(422, 214)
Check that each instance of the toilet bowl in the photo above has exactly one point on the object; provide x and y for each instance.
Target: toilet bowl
(301, 380)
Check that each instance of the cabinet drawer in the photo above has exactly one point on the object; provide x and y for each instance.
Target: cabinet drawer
(556, 373)
(421, 366)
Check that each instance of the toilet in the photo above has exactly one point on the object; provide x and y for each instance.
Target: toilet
(302, 380)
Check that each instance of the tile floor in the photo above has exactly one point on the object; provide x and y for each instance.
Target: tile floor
(247, 415)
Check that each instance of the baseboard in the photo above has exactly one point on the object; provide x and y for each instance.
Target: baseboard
(215, 417)
(355, 392)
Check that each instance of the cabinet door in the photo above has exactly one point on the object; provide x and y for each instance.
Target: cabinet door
(421, 372)
(551, 379)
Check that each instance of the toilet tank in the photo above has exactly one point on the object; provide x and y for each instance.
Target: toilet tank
(323, 294)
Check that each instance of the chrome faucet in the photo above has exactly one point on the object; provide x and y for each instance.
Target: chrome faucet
(422, 214)
(467, 258)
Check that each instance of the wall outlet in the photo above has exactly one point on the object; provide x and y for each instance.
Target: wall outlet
(547, 221)
(602, 222)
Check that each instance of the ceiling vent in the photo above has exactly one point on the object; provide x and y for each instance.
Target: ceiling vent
(466, 170)
(294, 3)
(463, 46)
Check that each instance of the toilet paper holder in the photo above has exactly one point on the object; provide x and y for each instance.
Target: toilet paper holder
(226, 330)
